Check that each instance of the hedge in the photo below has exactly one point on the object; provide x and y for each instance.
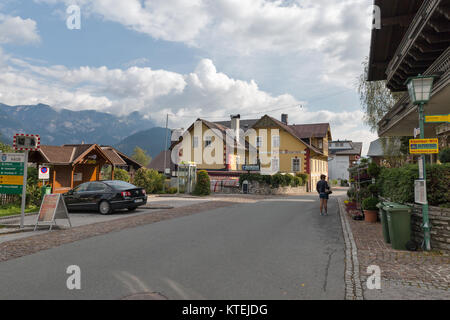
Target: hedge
(397, 184)
(276, 180)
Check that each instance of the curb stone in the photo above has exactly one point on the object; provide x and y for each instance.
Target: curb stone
(353, 289)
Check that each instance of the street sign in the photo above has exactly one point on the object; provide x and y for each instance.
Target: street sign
(437, 118)
(423, 146)
(420, 192)
(11, 173)
(26, 142)
(416, 132)
(251, 167)
(44, 173)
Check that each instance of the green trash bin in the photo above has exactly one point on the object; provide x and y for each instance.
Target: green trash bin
(46, 189)
(384, 221)
(399, 224)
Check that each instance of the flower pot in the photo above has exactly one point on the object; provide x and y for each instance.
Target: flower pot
(370, 215)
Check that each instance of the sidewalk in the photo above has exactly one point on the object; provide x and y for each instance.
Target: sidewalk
(405, 275)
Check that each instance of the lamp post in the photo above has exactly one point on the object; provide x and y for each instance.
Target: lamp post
(419, 89)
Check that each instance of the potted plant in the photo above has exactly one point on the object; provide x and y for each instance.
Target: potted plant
(351, 203)
(369, 205)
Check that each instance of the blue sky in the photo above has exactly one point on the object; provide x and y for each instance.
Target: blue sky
(190, 58)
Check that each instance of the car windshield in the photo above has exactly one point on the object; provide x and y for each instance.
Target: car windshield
(121, 185)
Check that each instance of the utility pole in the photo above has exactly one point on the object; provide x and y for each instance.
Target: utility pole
(165, 152)
(426, 221)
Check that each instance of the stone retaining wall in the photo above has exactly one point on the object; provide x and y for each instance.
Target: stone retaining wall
(440, 226)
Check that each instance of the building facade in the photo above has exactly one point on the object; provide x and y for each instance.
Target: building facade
(342, 156)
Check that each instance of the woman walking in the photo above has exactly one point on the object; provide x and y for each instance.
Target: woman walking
(324, 190)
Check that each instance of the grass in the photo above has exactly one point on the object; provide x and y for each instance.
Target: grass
(11, 210)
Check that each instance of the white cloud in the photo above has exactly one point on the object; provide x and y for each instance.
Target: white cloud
(205, 93)
(17, 30)
(334, 29)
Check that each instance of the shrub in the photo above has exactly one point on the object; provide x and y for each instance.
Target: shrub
(296, 181)
(334, 182)
(444, 155)
(373, 170)
(344, 183)
(288, 180)
(172, 190)
(363, 193)
(203, 185)
(277, 180)
(370, 203)
(373, 189)
(149, 179)
(397, 184)
(303, 176)
(351, 194)
(120, 174)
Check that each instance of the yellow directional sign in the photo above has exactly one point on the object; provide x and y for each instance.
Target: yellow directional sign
(12, 180)
(437, 118)
(423, 146)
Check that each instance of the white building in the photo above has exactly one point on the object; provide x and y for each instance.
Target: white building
(342, 155)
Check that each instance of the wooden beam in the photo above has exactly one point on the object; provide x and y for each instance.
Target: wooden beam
(403, 21)
(433, 38)
(441, 25)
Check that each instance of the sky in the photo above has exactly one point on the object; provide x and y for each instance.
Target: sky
(190, 59)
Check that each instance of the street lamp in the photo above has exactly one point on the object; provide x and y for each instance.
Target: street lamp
(419, 89)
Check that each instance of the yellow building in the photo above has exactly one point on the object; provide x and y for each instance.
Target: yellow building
(268, 144)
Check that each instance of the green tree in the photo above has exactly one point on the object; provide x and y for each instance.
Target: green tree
(141, 156)
(5, 147)
(376, 99)
(149, 179)
(444, 155)
(121, 174)
(203, 185)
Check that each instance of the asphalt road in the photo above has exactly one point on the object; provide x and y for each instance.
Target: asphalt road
(273, 249)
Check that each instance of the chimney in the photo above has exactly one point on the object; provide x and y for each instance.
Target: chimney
(284, 118)
(235, 124)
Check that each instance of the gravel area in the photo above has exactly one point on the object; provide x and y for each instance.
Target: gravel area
(21, 247)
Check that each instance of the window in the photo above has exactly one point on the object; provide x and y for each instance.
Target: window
(275, 141)
(275, 164)
(81, 187)
(296, 165)
(208, 141)
(195, 142)
(320, 144)
(120, 185)
(259, 141)
(96, 186)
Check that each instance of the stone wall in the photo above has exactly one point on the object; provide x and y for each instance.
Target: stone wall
(255, 187)
(440, 226)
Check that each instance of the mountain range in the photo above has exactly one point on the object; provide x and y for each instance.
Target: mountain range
(63, 126)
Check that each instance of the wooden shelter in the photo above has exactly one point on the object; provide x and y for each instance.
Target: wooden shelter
(71, 165)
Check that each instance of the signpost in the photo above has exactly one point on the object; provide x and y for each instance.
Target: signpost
(52, 207)
(251, 167)
(25, 142)
(423, 146)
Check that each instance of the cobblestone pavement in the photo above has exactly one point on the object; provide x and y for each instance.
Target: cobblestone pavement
(25, 246)
(405, 275)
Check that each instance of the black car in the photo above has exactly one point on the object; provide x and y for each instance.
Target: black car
(105, 196)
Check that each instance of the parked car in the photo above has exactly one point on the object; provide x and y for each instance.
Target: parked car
(105, 196)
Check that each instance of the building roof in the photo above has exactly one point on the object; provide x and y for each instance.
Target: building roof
(355, 149)
(246, 123)
(375, 149)
(158, 162)
(73, 153)
(316, 130)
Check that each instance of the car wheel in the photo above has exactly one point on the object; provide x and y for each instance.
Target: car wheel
(132, 209)
(104, 207)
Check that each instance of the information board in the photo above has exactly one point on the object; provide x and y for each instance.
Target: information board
(420, 192)
(423, 146)
(437, 118)
(11, 173)
(52, 207)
